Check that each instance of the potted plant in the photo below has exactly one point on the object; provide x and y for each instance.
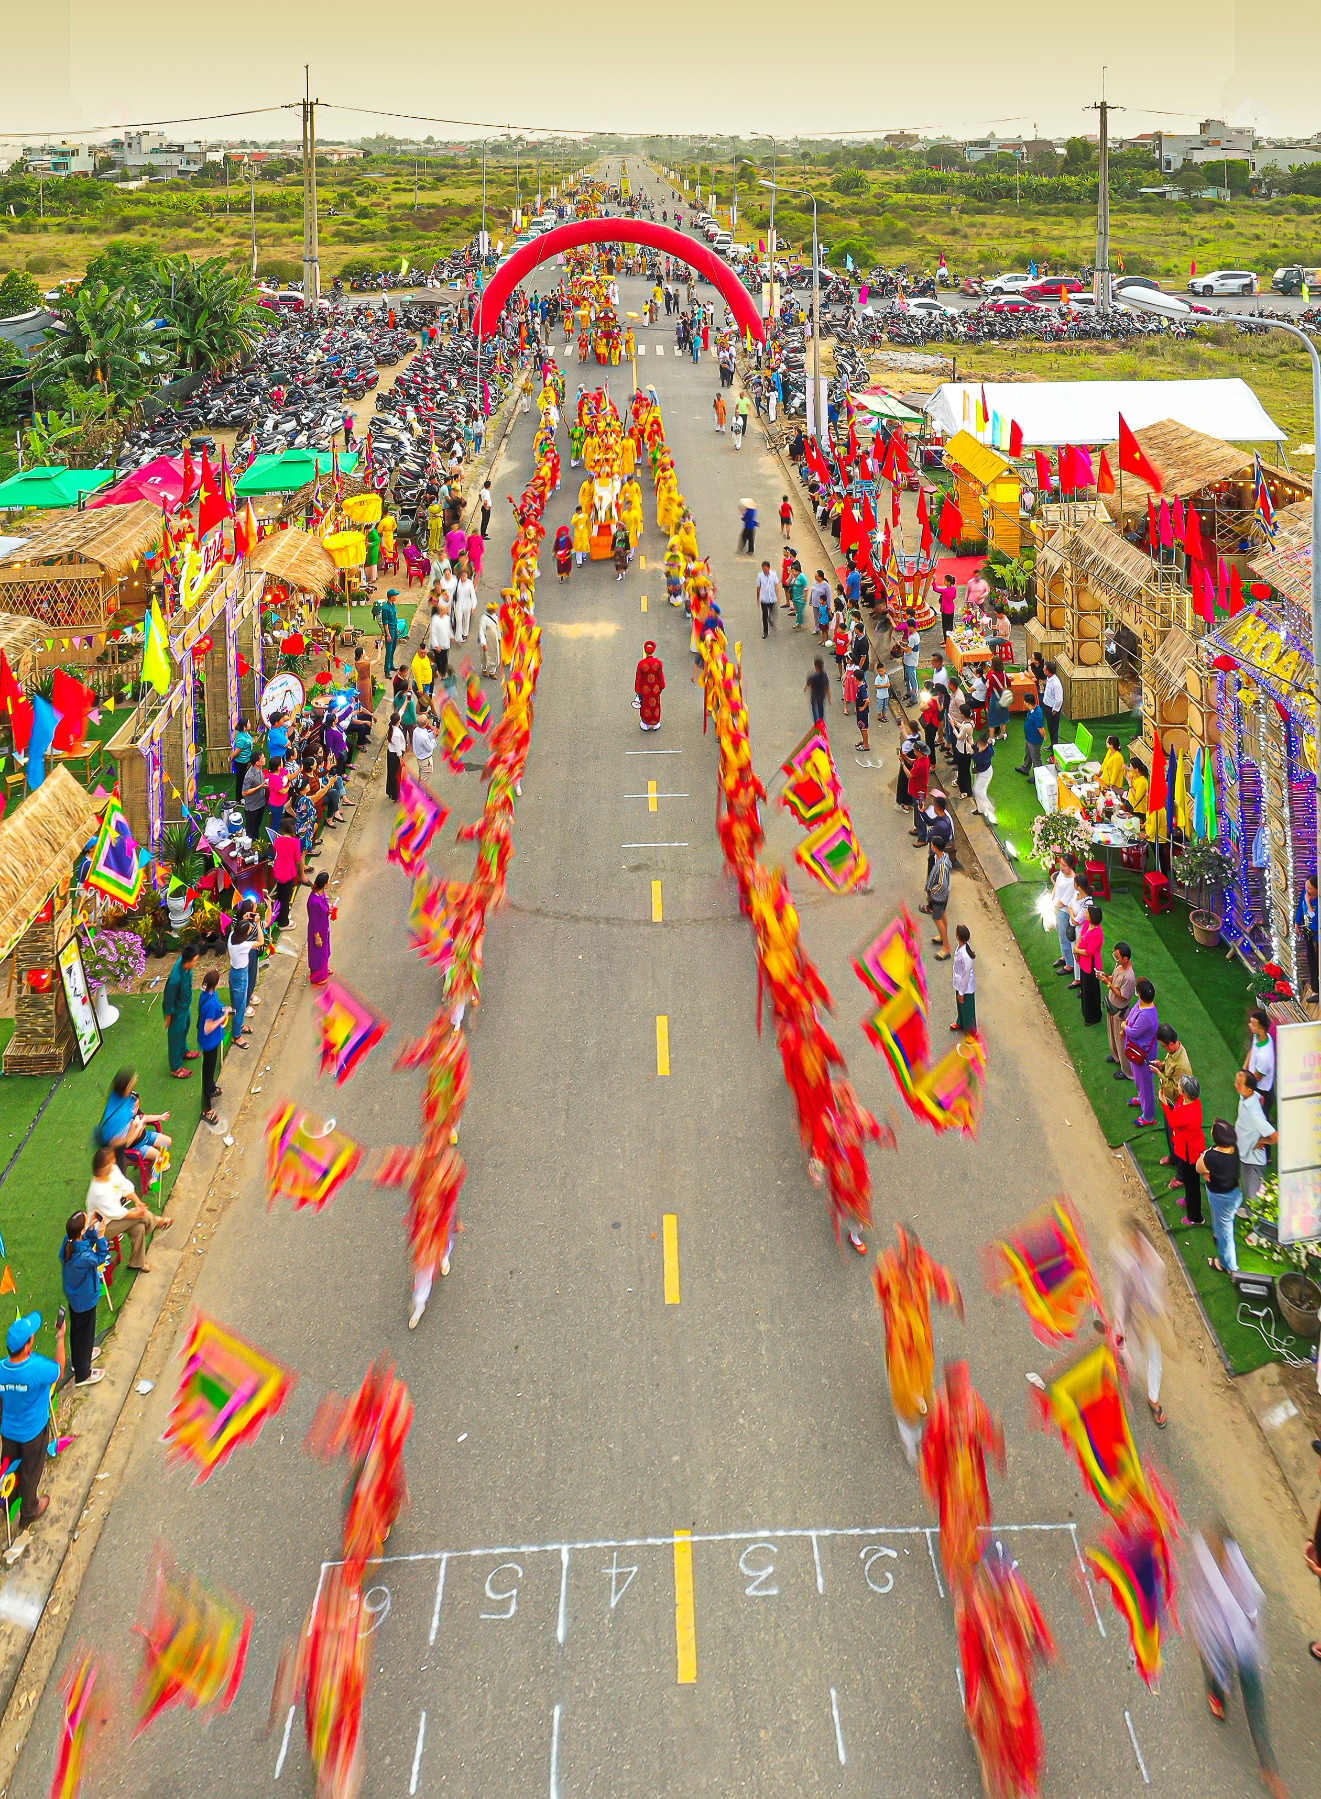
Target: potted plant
(1203, 866)
(110, 959)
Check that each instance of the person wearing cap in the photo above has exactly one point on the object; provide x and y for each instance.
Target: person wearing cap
(390, 627)
(26, 1383)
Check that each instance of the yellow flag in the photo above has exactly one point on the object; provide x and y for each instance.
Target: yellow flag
(156, 666)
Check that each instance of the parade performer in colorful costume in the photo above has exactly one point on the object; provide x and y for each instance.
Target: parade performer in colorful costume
(907, 1279)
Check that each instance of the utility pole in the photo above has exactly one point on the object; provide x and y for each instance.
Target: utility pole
(483, 244)
(415, 184)
(1101, 277)
(226, 180)
(775, 309)
(311, 231)
(252, 205)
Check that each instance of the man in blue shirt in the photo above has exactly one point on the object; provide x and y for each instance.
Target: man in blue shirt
(1034, 735)
(853, 587)
(26, 1381)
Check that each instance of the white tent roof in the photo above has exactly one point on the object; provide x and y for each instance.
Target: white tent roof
(1087, 412)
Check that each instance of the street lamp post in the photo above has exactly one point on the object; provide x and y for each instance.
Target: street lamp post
(815, 402)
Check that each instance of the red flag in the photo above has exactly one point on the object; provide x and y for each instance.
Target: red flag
(1082, 467)
(985, 404)
(886, 544)
(894, 506)
(1166, 527)
(1177, 518)
(848, 527)
(1157, 792)
(1105, 481)
(189, 476)
(1204, 594)
(923, 516)
(926, 537)
(853, 442)
(900, 443)
(890, 464)
(1236, 600)
(9, 687)
(1153, 529)
(864, 466)
(1043, 470)
(951, 522)
(1192, 536)
(1066, 465)
(868, 516)
(213, 508)
(1222, 586)
(1015, 438)
(1133, 459)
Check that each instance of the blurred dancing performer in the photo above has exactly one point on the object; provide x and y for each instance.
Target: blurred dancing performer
(1140, 1307)
(331, 1678)
(907, 1279)
(1002, 1634)
(1225, 1613)
(961, 1432)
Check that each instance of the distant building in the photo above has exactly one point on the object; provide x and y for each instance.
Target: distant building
(60, 159)
(147, 153)
(981, 148)
(1214, 140)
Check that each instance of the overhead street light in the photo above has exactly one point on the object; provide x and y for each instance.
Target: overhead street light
(807, 194)
(1139, 297)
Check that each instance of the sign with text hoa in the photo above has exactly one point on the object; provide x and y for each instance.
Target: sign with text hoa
(1298, 1071)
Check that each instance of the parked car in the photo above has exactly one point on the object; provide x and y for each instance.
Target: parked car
(1291, 280)
(928, 307)
(1010, 303)
(1223, 281)
(1120, 282)
(1007, 284)
(1051, 286)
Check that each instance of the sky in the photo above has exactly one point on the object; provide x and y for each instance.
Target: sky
(1004, 72)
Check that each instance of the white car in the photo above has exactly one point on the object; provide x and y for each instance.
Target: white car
(1008, 284)
(928, 307)
(1223, 281)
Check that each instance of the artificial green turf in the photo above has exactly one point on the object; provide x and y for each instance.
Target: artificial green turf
(363, 621)
(49, 1179)
(1014, 796)
(1180, 995)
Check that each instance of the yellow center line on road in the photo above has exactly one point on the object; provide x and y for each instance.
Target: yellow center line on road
(657, 910)
(685, 1612)
(662, 1044)
(651, 797)
(644, 602)
(670, 1234)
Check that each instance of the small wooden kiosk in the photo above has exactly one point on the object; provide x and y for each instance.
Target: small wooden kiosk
(39, 848)
(989, 494)
(84, 574)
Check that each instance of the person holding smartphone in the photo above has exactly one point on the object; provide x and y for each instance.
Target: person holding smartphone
(83, 1254)
(26, 1381)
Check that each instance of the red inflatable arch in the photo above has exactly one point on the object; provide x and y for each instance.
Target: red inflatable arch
(613, 231)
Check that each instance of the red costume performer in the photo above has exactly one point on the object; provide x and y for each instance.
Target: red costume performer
(1002, 1633)
(960, 1433)
(648, 685)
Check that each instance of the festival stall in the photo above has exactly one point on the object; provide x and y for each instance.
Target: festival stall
(1210, 476)
(84, 576)
(285, 473)
(1257, 686)
(39, 848)
(989, 495)
(1055, 414)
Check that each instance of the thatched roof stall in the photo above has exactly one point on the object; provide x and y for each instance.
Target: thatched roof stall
(85, 572)
(297, 558)
(1286, 562)
(1215, 476)
(39, 846)
(23, 641)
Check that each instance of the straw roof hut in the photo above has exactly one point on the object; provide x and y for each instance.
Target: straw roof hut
(22, 640)
(297, 558)
(38, 845)
(1193, 466)
(79, 571)
(1287, 561)
(1111, 561)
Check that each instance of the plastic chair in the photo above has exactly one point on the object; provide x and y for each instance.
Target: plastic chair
(1155, 892)
(1098, 876)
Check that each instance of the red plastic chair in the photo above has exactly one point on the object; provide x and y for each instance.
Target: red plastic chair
(1155, 891)
(417, 566)
(1098, 876)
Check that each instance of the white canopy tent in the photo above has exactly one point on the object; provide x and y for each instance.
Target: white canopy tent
(1051, 413)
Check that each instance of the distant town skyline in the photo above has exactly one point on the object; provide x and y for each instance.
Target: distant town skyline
(124, 68)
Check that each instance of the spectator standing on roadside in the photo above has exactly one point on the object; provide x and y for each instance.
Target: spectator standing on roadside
(816, 686)
(1120, 988)
(177, 1001)
(1052, 701)
(26, 1382)
(767, 589)
(965, 983)
(1252, 1132)
(83, 1254)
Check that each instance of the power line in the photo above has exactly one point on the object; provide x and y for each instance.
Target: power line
(204, 118)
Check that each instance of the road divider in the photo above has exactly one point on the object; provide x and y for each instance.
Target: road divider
(670, 1245)
(662, 1044)
(685, 1610)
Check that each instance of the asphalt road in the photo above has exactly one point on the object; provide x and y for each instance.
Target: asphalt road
(530, 1620)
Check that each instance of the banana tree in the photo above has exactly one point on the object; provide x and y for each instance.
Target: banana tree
(111, 341)
(213, 309)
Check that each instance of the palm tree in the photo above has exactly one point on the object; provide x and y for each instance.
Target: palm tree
(214, 309)
(111, 341)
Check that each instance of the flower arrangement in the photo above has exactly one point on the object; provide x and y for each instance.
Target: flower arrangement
(1271, 982)
(112, 958)
(1054, 833)
(1263, 1230)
